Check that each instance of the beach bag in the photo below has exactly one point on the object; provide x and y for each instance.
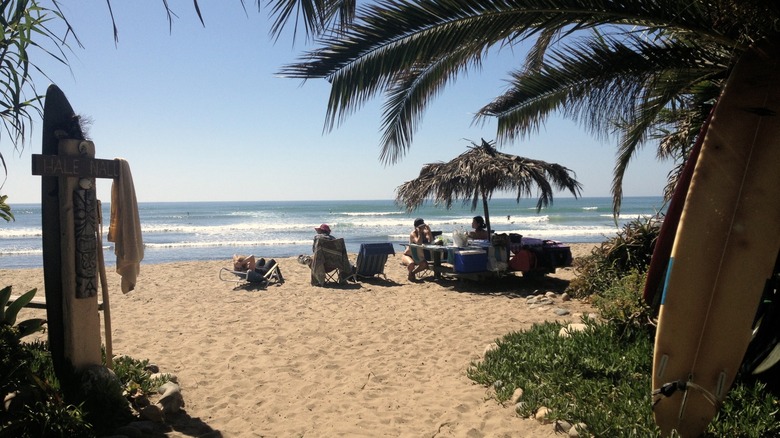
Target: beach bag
(523, 260)
(460, 238)
(500, 239)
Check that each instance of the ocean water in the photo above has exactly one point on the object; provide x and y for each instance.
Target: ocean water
(174, 231)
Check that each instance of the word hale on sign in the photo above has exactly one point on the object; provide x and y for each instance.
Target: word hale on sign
(57, 165)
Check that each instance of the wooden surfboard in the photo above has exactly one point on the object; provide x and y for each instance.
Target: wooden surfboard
(724, 250)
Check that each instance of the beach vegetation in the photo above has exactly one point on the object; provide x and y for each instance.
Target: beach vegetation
(36, 406)
(28, 26)
(9, 312)
(628, 252)
(33, 405)
(5, 209)
(602, 377)
(622, 303)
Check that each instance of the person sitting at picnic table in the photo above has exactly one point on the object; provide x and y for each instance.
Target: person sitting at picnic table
(419, 236)
(480, 231)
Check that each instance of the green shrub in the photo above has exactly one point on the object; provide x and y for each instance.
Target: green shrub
(748, 403)
(37, 408)
(601, 377)
(49, 418)
(8, 315)
(629, 251)
(622, 302)
(132, 373)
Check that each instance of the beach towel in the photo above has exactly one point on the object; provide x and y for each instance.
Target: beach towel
(125, 227)
(329, 256)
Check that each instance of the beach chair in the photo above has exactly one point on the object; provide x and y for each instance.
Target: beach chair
(371, 259)
(330, 263)
(265, 273)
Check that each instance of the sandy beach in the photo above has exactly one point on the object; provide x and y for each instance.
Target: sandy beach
(377, 358)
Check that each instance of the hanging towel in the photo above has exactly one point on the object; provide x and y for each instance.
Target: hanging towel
(125, 227)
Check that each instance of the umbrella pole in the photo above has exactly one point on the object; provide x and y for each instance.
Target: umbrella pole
(487, 215)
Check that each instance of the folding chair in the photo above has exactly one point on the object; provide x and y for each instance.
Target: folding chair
(419, 254)
(372, 258)
(330, 263)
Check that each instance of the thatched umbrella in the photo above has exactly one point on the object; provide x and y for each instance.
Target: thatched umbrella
(478, 173)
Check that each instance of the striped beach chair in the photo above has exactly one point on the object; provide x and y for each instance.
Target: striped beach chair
(372, 258)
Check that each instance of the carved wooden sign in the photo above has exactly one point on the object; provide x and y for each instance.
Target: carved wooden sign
(83, 167)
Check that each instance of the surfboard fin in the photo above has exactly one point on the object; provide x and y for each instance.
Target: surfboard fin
(769, 361)
(668, 389)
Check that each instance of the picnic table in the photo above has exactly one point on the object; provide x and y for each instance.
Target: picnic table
(484, 259)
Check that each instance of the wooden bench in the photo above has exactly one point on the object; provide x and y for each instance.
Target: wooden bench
(38, 303)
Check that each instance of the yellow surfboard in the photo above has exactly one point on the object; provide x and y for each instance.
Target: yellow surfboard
(724, 249)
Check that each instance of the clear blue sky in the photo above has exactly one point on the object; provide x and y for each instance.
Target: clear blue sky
(200, 115)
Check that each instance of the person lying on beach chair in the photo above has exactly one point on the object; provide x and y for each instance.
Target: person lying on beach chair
(263, 273)
(244, 263)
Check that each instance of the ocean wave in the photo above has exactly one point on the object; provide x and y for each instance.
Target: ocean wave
(19, 252)
(230, 243)
(630, 216)
(372, 213)
(20, 233)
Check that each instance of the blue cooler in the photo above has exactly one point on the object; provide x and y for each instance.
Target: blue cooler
(470, 260)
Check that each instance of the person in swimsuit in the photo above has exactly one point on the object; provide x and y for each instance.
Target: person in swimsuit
(420, 235)
(480, 230)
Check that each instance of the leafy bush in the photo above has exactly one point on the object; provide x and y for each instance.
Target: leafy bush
(49, 418)
(629, 251)
(38, 407)
(601, 377)
(132, 373)
(8, 316)
(622, 302)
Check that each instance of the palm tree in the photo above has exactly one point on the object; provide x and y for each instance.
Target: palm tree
(26, 26)
(615, 67)
(477, 173)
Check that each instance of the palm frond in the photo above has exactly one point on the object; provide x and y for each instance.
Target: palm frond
(611, 66)
(409, 95)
